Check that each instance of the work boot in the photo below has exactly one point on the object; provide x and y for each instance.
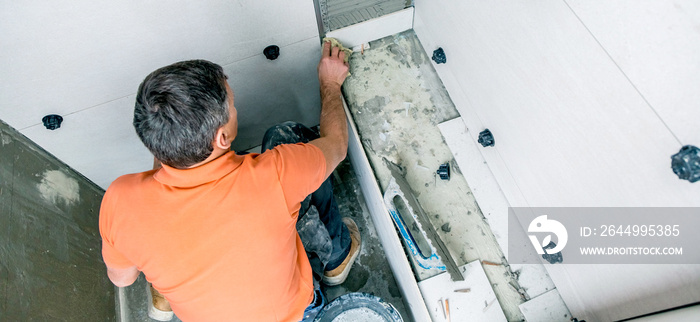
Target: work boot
(340, 273)
(158, 307)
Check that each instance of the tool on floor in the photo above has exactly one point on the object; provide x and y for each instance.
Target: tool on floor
(442, 306)
(439, 257)
(490, 263)
(447, 309)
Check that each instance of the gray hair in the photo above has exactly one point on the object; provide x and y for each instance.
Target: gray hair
(178, 110)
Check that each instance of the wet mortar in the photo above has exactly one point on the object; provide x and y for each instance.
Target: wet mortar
(397, 100)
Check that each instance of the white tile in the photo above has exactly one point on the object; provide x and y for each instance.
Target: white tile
(545, 308)
(570, 129)
(65, 56)
(100, 143)
(483, 184)
(691, 313)
(269, 92)
(479, 304)
(656, 44)
(533, 278)
(364, 32)
(391, 243)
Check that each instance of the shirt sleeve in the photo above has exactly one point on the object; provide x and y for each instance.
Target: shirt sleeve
(301, 168)
(111, 256)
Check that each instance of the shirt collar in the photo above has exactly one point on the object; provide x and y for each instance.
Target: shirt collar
(202, 174)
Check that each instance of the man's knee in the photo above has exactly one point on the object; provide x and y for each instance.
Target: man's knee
(283, 133)
(285, 127)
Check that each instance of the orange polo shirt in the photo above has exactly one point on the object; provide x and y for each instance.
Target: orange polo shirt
(219, 241)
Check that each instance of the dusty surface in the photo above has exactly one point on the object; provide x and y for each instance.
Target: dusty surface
(397, 100)
(51, 265)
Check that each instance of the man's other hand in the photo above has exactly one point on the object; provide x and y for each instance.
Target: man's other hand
(332, 69)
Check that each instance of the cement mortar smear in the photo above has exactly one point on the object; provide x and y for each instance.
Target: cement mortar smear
(397, 100)
(359, 314)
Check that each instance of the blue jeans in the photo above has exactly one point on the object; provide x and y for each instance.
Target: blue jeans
(322, 199)
(316, 305)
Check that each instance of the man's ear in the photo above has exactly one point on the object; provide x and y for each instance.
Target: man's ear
(221, 139)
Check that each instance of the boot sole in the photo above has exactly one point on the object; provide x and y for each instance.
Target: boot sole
(340, 278)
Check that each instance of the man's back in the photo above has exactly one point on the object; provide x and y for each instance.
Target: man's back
(218, 240)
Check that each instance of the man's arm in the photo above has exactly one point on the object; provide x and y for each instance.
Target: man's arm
(127, 276)
(332, 71)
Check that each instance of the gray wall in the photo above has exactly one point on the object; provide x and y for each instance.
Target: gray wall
(51, 266)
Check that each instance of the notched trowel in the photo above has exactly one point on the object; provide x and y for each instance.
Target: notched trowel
(439, 257)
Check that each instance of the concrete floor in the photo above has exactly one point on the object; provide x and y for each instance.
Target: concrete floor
(370, 273)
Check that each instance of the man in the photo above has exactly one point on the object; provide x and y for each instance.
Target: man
(213, 231)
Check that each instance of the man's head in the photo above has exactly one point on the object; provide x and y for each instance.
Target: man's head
(184, 111)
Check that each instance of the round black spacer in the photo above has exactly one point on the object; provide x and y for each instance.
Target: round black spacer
(486, 138)
(439, 56)
(444, 171)
(52, 121)
(271, 52)
(686, 163)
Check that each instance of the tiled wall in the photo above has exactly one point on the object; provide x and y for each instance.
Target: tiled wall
(84, 60)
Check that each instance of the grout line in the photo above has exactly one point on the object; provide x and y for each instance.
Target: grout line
(125, 96)
(470, 108)
(623, 73)
(260, 54)
(468, 102)
(80, 110)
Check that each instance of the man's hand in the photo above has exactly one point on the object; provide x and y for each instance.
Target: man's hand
(332, 69)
